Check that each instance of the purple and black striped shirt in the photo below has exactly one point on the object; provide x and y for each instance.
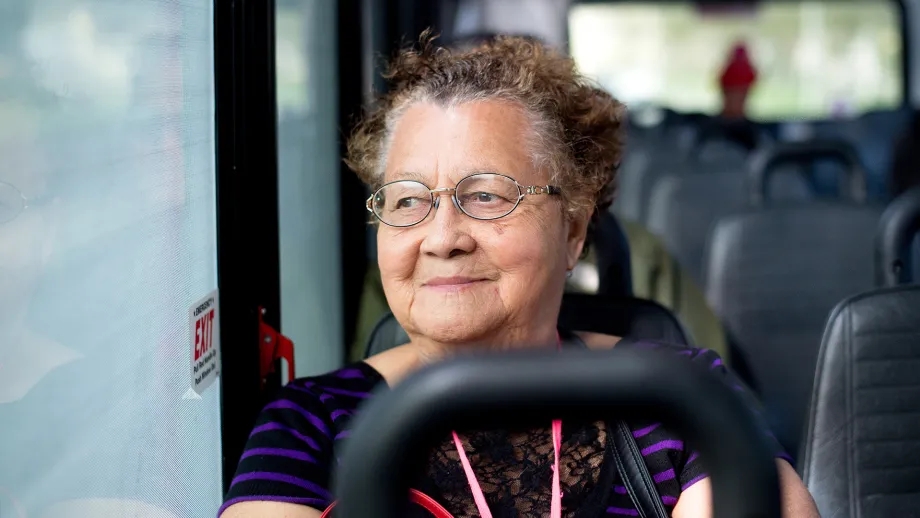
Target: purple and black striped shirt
(293, 448)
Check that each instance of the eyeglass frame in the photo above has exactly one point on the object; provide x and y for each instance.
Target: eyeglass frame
(523, 190)
(26, 203)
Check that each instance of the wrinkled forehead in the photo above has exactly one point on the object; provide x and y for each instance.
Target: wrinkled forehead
(441, 145)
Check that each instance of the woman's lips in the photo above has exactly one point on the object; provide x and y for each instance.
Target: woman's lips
(451, 283)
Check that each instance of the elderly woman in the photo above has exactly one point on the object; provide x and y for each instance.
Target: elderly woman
(487, 165)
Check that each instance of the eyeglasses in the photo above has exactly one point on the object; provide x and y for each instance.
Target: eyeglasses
(483, 196)
(12, 202)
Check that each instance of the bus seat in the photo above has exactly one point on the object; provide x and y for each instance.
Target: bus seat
(723, 153)
(673, 152)
(814, 152)
(860, 454)
(621, 316)
(897, 245)
(629, 184)
(611, 250)
(617, 316)
(657, 276)
(773, 276)
(635, 183)
(684, 208)
(386, 335)
(872, 134)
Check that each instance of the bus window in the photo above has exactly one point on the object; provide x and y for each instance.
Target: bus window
(670, 54)
(308, 183)
(107, 241)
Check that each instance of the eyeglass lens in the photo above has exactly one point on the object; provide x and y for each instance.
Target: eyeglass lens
(480, 196)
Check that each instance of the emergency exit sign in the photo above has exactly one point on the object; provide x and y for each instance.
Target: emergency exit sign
(205, 342)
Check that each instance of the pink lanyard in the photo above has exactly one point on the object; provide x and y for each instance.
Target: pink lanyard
(555, 510)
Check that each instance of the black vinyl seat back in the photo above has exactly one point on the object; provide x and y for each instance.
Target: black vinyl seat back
(722, 154)
(727, 143)
(616, 316)
(621, 316)
(775, 272)
(386, 335)
(635, 183)
(897, 245)
(682, 146)
(684, 208)
(773, 276)
(766, 163)
(861, 455)
(614, 266)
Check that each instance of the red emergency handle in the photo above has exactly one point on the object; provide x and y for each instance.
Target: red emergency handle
(273, 346)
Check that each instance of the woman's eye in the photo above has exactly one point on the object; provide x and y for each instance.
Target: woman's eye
(484, 197)
(405, 203)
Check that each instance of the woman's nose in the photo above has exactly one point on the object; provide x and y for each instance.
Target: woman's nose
(447, 233)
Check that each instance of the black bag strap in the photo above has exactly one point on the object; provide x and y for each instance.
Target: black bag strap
(626, 454)
(634, 474)
(631, 466)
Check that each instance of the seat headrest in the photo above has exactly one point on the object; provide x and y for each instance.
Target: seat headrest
(897, 230)
(764, 163)
(614, 267)
(616, 316)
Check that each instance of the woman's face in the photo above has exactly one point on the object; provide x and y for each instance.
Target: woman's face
(455, 279)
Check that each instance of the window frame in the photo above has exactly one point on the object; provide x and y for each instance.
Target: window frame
(248, 267)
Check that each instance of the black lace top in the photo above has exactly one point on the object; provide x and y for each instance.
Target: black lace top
(294, 446)
(514, 469)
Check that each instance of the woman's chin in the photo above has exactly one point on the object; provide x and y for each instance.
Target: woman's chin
(455, 327)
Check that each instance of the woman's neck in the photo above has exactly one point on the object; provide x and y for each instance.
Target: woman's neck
(508, 338)
(420, 352)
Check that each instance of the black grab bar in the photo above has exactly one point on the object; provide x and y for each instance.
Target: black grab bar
(395, 432)
(898, 228)
(766, 162)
